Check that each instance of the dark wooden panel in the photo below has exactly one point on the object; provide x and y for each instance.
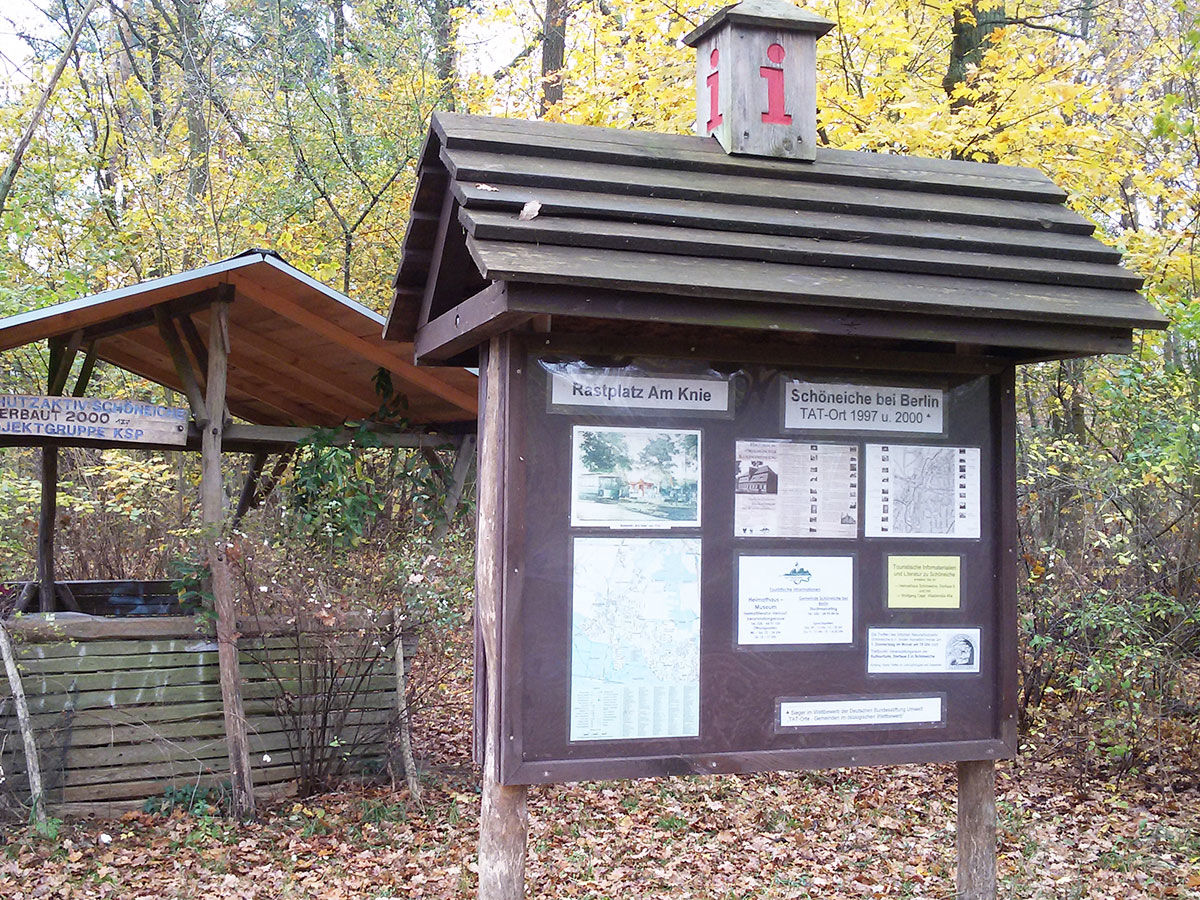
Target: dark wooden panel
(738, 687)
(597, 234)
(733, 217)
(691, 153)
(771, 283)
(598, 178)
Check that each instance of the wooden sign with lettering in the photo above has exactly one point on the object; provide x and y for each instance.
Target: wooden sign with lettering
(85, 418)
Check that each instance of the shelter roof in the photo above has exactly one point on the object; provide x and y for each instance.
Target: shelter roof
(300, 352)
(754, 243)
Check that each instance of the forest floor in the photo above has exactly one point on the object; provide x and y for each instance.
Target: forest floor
(872, 832)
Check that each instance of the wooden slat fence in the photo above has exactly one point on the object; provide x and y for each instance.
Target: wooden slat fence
(126, 708)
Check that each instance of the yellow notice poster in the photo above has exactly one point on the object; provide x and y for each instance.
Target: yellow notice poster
(923, 582)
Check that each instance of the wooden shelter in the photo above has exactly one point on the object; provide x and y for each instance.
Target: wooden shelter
(264, 354)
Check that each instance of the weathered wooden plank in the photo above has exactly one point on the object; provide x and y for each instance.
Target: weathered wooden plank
(742, 217)
(202, 672)
(51, 665)
(877, 202)
(91, 765)
(467, 325)
(209, 726)
(153, 787)
(688, 153)
(159, 715)
(785, 285)
(112, 809)
(103, 634)
(188, 693)
(596, 234)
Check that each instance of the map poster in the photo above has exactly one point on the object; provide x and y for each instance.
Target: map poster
(922, 650)
(635, 477)
(790, 489)
(882, 712)
(789, 600)
(917, 491)
(924, 582)
(635, 638)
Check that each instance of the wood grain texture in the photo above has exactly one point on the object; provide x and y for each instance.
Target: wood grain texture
(976, 836)
(503, 819)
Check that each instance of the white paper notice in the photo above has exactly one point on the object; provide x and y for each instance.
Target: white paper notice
(784, 600)
(635, 638)
(922, 650)
(922, 492)
(608, 390)
(788, 489)
(882, 711)
(811, 406)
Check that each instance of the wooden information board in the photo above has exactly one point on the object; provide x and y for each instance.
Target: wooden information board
(752, 569)
(92, 419)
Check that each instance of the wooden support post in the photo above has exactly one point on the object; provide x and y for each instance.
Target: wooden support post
(503, 820)
(250, 486)
(25, 725)
(212, 500)
(454, 491)
(977, 830)
(62, 357)
(183, 367)
(47, 514)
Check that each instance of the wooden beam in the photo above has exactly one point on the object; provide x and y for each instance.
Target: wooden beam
(445, 220)
(85, 371)
(250, 486)
(61, 362)
(183, 367)
(503, 820)
(248, 439)
(145, 318)
(145, 362)
(376, 352)
(468, 325)
(463, 460)
(212, 496)
(47, 514)
(191, 334)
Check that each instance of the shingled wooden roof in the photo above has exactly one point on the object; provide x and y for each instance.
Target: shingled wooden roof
(300, 353)
(756, 243)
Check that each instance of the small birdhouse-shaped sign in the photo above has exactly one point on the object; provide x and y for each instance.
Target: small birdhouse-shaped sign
(756, 85)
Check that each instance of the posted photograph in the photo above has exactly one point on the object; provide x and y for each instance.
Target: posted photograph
(635, 477)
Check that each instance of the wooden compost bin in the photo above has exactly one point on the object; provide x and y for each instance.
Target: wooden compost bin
(126, 708)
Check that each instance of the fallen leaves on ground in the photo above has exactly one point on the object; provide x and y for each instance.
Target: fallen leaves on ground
(847, 833)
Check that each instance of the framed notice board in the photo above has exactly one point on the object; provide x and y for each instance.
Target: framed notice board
(752, 567)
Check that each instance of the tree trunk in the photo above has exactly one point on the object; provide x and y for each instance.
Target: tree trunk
(10, 172)
(973, 29)
(195, 96)
(554, 49)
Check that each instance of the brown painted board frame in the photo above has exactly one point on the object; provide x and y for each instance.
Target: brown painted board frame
(623, 759)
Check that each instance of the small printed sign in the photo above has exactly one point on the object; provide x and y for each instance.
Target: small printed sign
(882, 712)
(922, 650)
(601, 389)
(817, 406)
(93, 419)
(790, 600)
(924, 582)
